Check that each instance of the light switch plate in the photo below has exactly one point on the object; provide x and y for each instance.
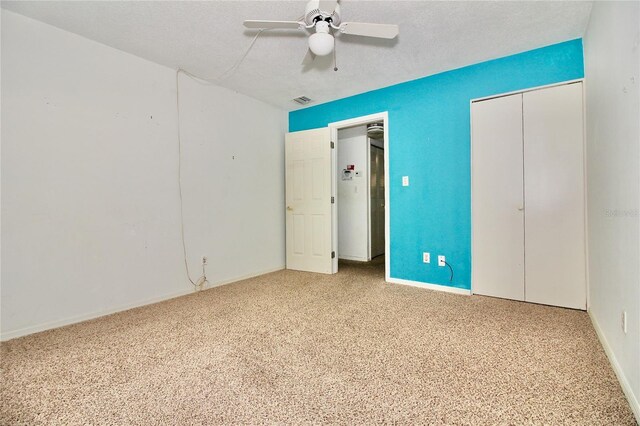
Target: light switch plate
(426, 257)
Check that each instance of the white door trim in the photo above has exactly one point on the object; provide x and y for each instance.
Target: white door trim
(586, 192)
(334, 127)
(368, 197)
(530, 89)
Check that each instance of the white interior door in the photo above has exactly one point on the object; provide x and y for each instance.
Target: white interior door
(497, 201)
(554, 193)
(377, 200)
(308, 200)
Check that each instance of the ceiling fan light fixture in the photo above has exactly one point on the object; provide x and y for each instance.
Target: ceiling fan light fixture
(321, 42)
(324, 17)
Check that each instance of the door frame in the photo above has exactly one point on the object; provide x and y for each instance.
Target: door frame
(584, 162)
(333, 128)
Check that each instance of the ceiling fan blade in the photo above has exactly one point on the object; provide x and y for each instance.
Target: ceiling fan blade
(309, 57)
(273, 24)
(369, 30)
(328, 5)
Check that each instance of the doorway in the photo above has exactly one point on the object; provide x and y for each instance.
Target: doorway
(360, 164)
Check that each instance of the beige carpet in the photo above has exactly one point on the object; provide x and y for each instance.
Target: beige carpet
(300, 348)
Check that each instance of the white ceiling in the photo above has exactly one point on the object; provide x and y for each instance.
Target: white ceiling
(207, 38)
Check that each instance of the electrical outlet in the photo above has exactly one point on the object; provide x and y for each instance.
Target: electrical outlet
(624, 322)
(405, 180)
(441, 260)
(204, 260)
(426, 257)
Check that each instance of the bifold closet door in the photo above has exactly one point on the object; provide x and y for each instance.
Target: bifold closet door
(497, 213)
(554, 196)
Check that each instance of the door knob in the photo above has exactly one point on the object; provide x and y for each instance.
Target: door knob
(520, 208)
(290, 208)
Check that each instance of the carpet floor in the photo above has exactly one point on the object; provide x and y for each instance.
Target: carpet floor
(299, 348)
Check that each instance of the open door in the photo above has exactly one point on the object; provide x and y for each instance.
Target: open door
(308, 201)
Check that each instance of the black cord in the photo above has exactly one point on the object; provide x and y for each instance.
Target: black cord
(447, 263)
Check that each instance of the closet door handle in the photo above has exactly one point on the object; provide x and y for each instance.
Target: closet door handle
(521, 208)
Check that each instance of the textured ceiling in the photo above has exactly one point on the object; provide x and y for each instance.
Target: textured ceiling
(207, 38)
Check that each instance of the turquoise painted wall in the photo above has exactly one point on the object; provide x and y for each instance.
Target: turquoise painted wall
(429, 141)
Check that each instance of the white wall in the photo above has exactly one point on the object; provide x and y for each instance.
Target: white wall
(90, 208)
(233, 181)
(353, 195)
(612, 61)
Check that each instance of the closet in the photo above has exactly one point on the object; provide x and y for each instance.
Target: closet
(528, 203)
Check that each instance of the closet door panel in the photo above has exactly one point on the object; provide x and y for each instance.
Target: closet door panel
(497, 217)
(554, 197)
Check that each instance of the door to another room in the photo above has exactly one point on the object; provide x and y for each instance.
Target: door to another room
(528, 198)
(308, 201)
(360, 188)
(335, 194)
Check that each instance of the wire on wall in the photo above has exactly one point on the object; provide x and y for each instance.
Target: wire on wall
(450, 278)
(230, 71)
(200, 282)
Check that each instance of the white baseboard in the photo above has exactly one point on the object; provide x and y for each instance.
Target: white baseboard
(92, 315)
(624, 383)
(246, 277)
(88, 316)
(429, 286)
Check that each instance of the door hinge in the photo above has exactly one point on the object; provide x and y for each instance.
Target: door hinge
(333, 200)
(333, 145)
(333, 254)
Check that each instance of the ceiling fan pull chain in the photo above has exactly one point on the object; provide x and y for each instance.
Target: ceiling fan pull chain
(335, 62)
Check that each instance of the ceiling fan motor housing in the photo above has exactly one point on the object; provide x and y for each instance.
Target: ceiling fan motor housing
(313, 13)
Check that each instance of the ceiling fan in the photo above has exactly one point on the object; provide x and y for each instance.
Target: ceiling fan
(323, 16)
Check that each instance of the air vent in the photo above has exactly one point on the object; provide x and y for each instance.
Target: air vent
(302, 100)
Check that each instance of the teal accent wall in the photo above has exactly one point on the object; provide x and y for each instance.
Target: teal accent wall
(430, 141)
